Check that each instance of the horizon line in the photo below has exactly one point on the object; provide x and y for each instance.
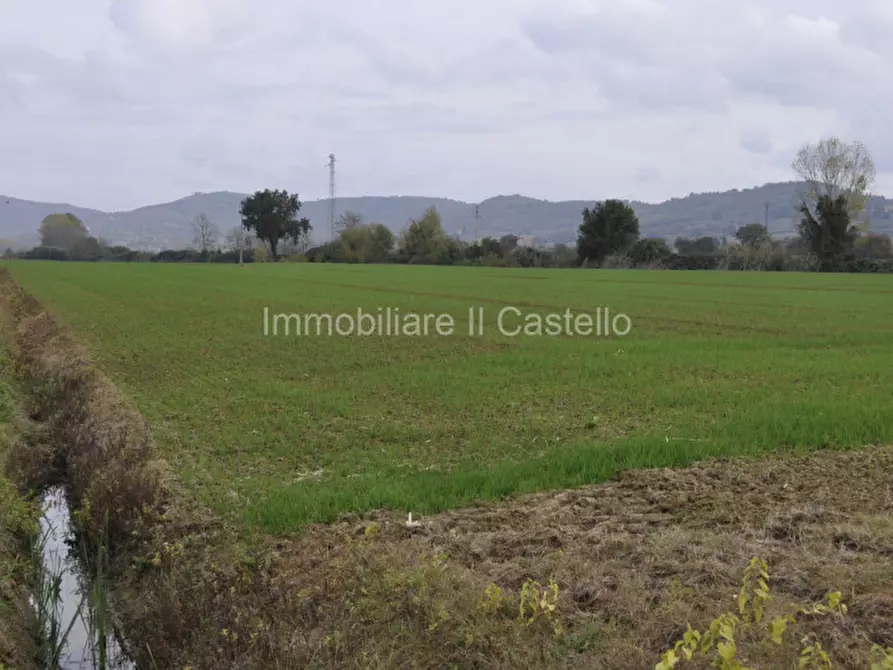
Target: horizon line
(7, 198)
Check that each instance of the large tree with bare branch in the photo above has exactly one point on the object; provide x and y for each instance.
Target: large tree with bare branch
(205, 234)
(837, 177)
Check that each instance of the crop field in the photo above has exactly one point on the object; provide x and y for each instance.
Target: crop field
(285, 430)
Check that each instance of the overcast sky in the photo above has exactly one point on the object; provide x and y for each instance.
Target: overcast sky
(115, 104)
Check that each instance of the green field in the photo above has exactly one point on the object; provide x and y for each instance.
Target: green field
(288, 430)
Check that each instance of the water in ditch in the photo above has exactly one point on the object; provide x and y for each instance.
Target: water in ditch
(76, 630)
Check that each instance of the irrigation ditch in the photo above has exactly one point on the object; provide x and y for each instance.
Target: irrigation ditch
(54, 575)
(129, 571)
(70, 597)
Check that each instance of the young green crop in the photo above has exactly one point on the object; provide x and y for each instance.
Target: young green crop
(289, 430)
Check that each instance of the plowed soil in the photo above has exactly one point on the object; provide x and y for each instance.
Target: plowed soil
(639, 557)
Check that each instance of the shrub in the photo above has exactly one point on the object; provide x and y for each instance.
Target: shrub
(720, 642)
(679, 262)
(649, 251)
(616, 262)
(494, 261)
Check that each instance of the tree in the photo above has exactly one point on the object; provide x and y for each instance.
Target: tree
(62, 231)
(290, 246)
(564, 255)
(753, 235)
(488, 247)
(204, 234)
(380, 242)
(702, 246)
(837, 177)
(835, 169)
(608, 228)
(347, 221)
(526, 257)
(353, 244)
(272, 216)
(507, 244)
(828, 233)
(424, 240)
(238, 240)
(649, 250)
(873, 246)
(367, 244)
(86, 249)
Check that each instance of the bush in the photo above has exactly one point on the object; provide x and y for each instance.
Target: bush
(870, 265)
(677, 262)
(331, 252)
(45, 253)
(617, 262)
(493, 261)
(649, 251)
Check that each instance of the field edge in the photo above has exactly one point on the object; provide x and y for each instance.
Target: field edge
(19, 514)
(178, 574)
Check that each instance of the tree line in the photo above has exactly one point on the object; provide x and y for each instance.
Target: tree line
(832, 235)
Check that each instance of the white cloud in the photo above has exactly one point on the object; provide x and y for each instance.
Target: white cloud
(117, 103)
(179, 24)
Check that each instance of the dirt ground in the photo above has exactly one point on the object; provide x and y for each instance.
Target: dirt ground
(638, 558)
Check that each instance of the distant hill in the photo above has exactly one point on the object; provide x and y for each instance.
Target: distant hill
(169, 225)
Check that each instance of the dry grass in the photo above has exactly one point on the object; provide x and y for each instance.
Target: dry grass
(104, 448)
(635, 560)
(18, 520)
(178, 574)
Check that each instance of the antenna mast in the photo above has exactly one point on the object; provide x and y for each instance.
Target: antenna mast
(332, 196)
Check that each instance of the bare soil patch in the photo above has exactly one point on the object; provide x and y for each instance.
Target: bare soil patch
(638, 558)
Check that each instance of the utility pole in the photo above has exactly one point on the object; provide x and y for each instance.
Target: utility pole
(331, 196)
(477, 217)
(240, 240)
(766, 218)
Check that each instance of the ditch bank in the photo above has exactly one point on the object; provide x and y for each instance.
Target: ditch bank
(52, 597)
(177, 575)
(18, 524)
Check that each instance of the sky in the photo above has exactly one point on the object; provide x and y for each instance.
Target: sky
(114, 104)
